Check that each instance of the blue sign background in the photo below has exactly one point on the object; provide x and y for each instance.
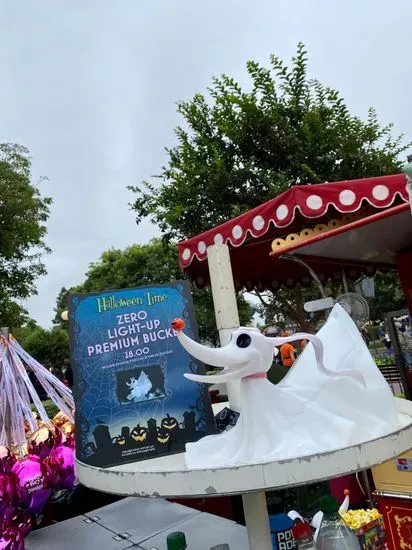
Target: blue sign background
(103, 412)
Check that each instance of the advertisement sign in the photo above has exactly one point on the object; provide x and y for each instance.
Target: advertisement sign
(132, 401)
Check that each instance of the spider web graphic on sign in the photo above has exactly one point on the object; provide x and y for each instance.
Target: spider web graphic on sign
(129, 375)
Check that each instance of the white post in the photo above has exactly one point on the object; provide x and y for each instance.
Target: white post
(345, 281)
(227, 319)
(257, 521)
(224, 300)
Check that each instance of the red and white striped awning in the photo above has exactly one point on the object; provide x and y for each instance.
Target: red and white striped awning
(289, 214)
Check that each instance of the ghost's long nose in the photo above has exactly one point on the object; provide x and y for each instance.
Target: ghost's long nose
(216, 357)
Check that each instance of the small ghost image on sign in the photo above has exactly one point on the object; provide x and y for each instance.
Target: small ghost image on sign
(333, 397)
(137, 384)
(139, 388)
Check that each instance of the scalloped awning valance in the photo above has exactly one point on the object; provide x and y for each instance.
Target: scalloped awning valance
(325, 223)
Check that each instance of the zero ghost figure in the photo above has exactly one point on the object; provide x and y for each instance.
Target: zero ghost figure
(139, 388)
(333, 397)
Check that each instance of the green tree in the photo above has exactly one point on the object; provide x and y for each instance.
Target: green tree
(61, 305)
(152, 263)
(389, 296)
(23, 216)
(49, 347)
(237, 149)
(287, 307)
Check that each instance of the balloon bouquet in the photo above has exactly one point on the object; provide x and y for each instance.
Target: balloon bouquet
(36, 453)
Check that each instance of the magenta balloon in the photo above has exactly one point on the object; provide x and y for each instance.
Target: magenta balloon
(32, 486)
(61, 468)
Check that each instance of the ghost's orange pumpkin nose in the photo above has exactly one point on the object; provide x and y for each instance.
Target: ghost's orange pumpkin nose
(178, 324)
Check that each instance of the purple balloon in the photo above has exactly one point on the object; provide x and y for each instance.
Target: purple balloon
(32, 487)
(61, 468)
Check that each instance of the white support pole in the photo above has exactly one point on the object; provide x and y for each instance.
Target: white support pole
(227, 319)
(345, 281)
(257, 521)
(224, 300)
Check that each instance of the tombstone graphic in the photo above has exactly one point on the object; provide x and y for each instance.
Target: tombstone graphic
(102, 437)
(189, 420)
(125, 432)
(152, 427)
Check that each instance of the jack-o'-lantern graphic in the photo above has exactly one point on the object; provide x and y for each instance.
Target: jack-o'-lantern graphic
(169, 423)
(163, 436)
(119, 440)
(139, 434)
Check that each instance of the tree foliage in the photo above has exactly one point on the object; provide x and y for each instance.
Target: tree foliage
(286, 308)
(23, 216)
(389, 296)
(49, 347)
(152, 263)
(237, 149)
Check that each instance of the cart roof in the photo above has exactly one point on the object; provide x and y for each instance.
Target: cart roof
(359, 225)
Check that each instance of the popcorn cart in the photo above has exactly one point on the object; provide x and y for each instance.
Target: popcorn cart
(393, 481)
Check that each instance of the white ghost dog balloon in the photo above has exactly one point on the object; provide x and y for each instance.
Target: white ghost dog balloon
(314, 409)
(139, 388)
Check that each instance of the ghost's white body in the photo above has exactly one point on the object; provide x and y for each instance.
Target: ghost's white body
(320, 406)
(139, 387)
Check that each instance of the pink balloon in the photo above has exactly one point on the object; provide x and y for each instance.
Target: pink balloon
(61, 468)
(32, 487)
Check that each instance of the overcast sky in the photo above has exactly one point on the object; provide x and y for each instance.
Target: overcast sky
(91, 86)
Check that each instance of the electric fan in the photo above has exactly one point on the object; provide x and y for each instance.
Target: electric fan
(356, 306)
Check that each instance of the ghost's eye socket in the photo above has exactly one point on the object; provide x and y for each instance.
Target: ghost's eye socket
(243, 341)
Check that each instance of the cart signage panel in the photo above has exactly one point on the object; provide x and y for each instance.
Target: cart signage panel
(132, 401)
